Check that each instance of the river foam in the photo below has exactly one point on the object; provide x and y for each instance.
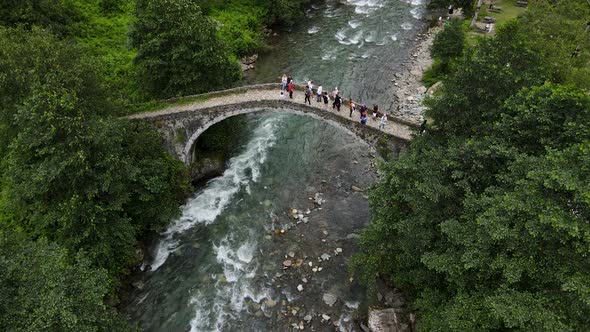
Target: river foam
(229, 296)
(210, 202)
(365, 6)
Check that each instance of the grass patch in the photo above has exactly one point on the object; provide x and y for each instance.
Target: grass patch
(433, 74)
(509, 12)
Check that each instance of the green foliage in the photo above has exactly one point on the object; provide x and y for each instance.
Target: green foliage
(436, 73)
(73, 174)
(44, 290)
(31, 59)
(179, 51)
(286, 12)
(60, 16)
(485, 221)
(489, 73)
(449, 43)
(241, 28)
(556, 29)
(447, 49)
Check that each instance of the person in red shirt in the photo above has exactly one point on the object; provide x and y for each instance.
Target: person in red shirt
(290, 89)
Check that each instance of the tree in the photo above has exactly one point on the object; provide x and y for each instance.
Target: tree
(179, 52)
(448, 44)
(484, 222)
(489, 74)
(58, 16)
(286, 12)
(73, 173)
(29, 59)
(43, 290)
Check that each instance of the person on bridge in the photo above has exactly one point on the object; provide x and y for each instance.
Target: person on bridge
(351, 106)
(363, 110)
(307, 95)
(284, 82)
(335, 92)
(364, 117)
(290, 89)
(326, 98)
(383, 121)
(319, 94)
(375, 110)
(337, 102)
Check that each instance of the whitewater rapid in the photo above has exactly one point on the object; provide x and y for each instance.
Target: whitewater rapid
(210, 202)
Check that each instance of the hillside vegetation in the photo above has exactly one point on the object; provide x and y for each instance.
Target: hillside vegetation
(485, 221)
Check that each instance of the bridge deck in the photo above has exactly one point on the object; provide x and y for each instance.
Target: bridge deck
(396, 127)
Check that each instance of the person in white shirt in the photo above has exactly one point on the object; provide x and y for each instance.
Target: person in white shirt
(319, 94)
(383, 121)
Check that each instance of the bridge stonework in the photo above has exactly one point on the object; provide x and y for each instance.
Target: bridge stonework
(181, 126)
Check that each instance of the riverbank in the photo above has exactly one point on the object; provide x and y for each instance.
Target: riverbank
(408, 90)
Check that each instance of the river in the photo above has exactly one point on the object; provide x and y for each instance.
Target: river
(239, 258)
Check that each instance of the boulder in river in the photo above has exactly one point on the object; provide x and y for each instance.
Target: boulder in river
(388, 320)
(287, 263)
(355, 188)
(329, 299)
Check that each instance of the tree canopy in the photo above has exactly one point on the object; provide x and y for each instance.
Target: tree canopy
(44, 290)
(484, 222)
(179, 52)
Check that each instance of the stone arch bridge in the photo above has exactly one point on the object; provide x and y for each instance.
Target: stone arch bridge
(187, 118)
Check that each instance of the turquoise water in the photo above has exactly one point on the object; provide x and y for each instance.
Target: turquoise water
(220, 266)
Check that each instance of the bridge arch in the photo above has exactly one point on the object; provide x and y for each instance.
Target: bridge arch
(186, 154)
(181, 125)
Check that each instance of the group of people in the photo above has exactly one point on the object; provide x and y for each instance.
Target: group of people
(310, 91)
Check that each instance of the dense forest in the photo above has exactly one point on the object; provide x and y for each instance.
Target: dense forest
(484, 222)
(79, 185)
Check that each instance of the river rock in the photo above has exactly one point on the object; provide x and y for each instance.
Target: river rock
(291, 254)
(339, 250)
(300, 288)
(248, 60)
(325, 257)
(434, 88)
(325, 317)
(269, 303)
(307, 318)
(330, 299)
(139, 285)
(352, 236)
(388, 320)
(287, 263)
(355, 188)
